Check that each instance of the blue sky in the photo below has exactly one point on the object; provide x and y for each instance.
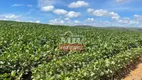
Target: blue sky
(126, 13)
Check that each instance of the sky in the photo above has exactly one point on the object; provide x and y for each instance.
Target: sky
(100, 13)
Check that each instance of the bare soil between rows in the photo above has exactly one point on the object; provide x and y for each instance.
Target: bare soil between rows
(133, 71)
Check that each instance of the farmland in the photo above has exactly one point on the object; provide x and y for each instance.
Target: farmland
(30, 51)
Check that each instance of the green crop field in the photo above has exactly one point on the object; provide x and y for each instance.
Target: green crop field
(29, 51)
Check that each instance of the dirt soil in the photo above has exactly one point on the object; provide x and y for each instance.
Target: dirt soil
(135, 72)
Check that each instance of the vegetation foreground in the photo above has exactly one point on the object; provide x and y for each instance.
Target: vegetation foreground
(30, 51)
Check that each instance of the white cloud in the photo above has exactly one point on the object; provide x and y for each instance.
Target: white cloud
(11, 16)
(56, 22)
(62, 21)
(76, 21)
(102, 13)
(18, 18)
(32, 21)
(104, 24)
(37, 21)
(60, 11)
(2, 19)
(67, 19)
(29, 5)
(123, 21)
(17, 5)
(72, 14)
(97, 23)
(78, 4)
(47, 8)
(89, 20)
(114, 15)
(128, 22)
(133, 22)
(120, 1)
(42, 3)
(107, 22)
(90, 10)
(138, 17)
